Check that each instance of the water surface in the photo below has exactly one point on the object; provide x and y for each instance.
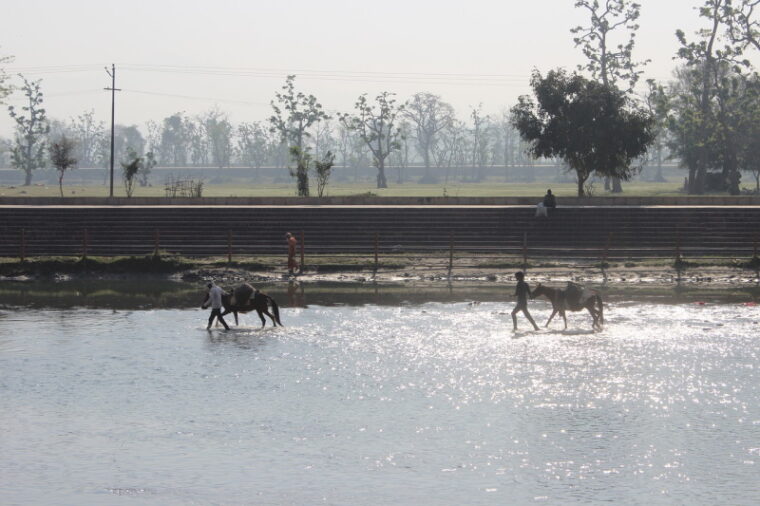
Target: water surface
(407, 403)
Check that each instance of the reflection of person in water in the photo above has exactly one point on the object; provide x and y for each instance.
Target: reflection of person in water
(296, 296)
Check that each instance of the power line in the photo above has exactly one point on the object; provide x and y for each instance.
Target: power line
(193, 97)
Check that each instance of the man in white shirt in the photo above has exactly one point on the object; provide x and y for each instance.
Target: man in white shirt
(214, 298)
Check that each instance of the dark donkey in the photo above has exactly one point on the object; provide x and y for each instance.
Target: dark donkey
(245, 298)
(560, 302)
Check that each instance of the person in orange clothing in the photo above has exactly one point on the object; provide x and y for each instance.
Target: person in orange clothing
(292, 243)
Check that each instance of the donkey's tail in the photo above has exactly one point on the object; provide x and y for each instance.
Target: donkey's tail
(275, 310)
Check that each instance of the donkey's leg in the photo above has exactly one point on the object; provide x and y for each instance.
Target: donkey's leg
(266, 312)
(564, 317)
(551, 317)
(263, 321)
(595, 315)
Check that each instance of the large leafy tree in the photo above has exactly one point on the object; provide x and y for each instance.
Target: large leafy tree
(32, 127)
(712, 67)
(607, 42)
(294, 114)
(595, 129)
(376, 124)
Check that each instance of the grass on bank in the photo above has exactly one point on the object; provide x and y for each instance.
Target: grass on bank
(484, 189)
(167, 264)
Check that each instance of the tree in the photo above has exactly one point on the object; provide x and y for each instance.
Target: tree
(294, 114)
(130, 168)
(429, 115)
(149, 163)
(5, 89)
(376, 126)
(196, 133)
(748, 131)
(62, 157)
(743, 28)
(323, 140)
(219, 131)
(252, 144)
(31, 128)
(607, 62)
(659, 106)
(594, 128)
(323, 168)
(87, 133)
(174, 140)
(481, 141)
(711, 61)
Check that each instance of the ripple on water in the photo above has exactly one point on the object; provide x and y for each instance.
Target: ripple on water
(438, 403)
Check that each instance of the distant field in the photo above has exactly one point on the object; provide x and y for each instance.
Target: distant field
(486, 189)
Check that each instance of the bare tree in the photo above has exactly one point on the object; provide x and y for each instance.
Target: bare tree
(87, 133)
(253, 144)
(429, 115)
(376, 126)
(480, 133)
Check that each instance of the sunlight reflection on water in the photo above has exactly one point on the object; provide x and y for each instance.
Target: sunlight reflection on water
(435, 403)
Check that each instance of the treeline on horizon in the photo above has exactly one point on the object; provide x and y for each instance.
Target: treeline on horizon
(590, 120)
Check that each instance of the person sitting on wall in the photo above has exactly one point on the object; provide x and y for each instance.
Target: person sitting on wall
(549, 203)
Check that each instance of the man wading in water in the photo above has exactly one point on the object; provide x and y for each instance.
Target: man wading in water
(522, 292)
(215, 300)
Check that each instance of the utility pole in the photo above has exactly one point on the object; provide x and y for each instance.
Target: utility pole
(113, 89)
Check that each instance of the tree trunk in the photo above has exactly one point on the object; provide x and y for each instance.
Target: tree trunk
(27, 177)
(382, 182)
(617, 186)
(60, 183)
(581, 182)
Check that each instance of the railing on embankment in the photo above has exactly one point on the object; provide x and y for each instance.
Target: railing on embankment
(579, 232)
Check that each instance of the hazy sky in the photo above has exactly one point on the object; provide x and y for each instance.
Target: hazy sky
(191, 55)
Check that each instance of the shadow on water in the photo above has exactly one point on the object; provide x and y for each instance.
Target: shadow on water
(159, 294)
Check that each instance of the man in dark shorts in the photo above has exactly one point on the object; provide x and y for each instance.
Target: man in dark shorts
(214, 299)
(522, 292)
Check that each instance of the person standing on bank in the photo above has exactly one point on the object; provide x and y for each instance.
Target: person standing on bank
(214, 299)
(292, 243)
(522, 292)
